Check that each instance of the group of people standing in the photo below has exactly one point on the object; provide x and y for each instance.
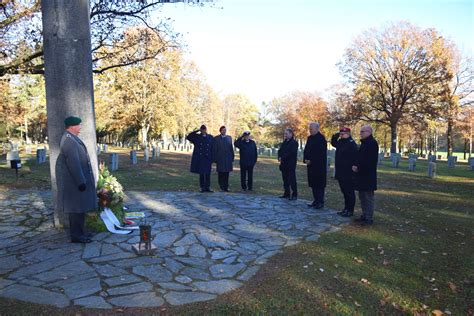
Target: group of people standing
(356, 166)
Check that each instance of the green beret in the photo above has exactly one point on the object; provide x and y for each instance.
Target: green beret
(72, 121)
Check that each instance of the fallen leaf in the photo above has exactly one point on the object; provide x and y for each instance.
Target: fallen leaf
(321, 269)
(306, 267)
(447, 312)
(437, 312)
(382, 252)
(382, 303)
(452, 286)
(424, 252)
(365, 281)
(385, 263)
(358, 260)
(336, 265)
(339, 295)
(357, 304)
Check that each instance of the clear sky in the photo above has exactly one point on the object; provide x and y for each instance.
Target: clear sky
(266, 48)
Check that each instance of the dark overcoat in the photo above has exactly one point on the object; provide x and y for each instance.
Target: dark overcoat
(247, 151)
(367, 159)
(346, 156)
(316, 151)
(201, 160)
(223, 153)
(74, 168)
(288, 154)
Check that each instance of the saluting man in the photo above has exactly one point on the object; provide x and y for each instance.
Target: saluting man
(201, 161)
(76, 184)
(346, 154)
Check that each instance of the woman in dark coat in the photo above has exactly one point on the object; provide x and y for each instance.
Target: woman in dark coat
(346, 154)
(223, 157)
(288, 156)
(248, 159)
(201, 161)
(315, 157)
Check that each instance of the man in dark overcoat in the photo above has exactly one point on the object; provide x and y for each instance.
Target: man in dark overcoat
(346, 154)
(201, 160)
(223, 157)
(365, 170)
(288, 157)
(248, 159)
(76, 184)
(315, 158)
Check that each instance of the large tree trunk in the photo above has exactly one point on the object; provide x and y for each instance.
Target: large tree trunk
(449, 137)
(393, 137)
(68, 75)
(144, 135)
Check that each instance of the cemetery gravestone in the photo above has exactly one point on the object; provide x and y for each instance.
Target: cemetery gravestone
(381, 156)
(146, 154)
(452, 161)
(432, 170)
(395, 159)
(411, 164)
(40, 156)
(105, 148)
(133, 157)
(471, 163)
(328, 166)
(113, 163)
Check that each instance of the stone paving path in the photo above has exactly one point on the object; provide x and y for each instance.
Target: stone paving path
(208, 244)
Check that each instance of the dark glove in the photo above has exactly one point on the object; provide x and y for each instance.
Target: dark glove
(82, 187)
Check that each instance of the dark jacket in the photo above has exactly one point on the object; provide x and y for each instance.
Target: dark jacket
(74, 168)
(247, 151)
(223, 153)
(346, 155)
(288, 154)
(367, 157)
(201, 161)
(316, 151)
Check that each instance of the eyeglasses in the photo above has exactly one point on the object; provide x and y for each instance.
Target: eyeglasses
(364, 131)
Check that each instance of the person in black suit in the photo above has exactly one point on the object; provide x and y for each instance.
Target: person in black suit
(365, 170)
(287, 156)
(346, 154)
(248, 159)
(315, 158)
(201, 160)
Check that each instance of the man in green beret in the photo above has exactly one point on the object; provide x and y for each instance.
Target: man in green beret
(76, 184)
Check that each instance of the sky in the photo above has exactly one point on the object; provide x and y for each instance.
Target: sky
(267, 48)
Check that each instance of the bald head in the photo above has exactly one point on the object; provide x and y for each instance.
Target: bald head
(314, 128)
(365, 131)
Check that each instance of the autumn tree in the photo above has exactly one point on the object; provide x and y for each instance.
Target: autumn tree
(109, 20)
(396, 72)
(239, 114)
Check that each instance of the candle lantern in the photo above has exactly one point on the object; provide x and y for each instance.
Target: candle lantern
(145, 246)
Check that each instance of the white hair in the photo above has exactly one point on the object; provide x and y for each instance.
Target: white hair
(314, 124)
(368, 127)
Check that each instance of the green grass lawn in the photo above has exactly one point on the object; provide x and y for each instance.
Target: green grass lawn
(417, 258)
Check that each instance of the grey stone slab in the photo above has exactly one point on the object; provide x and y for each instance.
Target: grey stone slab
(64, 272)
(180, 250)
(226, 270)
(131, 288)
(263, 258)
(108, 249)
(221, 254)
(76, 278)
(187, 240)
(5, 283)
(196, 274)
(229, 260)
(44, 266)
(183, 279)
(210, 239)
(154, 273)
(173, 265)
(34, 295)
(217, 287)
(147, 299)
(166, 239)
(92, 250)
(247, 274)
(123, 279)
(116, 256)
(197, 251)
(180, 298)
(8, 264)
(174, 286)
(109, 270)
(93, 302)
(82, 288)
(138, 261)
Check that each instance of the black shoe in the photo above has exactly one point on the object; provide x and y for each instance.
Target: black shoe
(209, 191)
(249, 189)
(293, 198)
(203, 191)
(341, 212)
(319, 206)
(347, 214)
(82, 240)
(245, 189)
(284, 197)
(226, 190)
(312, 204)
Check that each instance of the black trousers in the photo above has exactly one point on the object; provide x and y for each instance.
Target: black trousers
(347, 189)
(76, 225)
(223, 179)
(246, 172)
(318, 195)
(289, 181)
(205, 181)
